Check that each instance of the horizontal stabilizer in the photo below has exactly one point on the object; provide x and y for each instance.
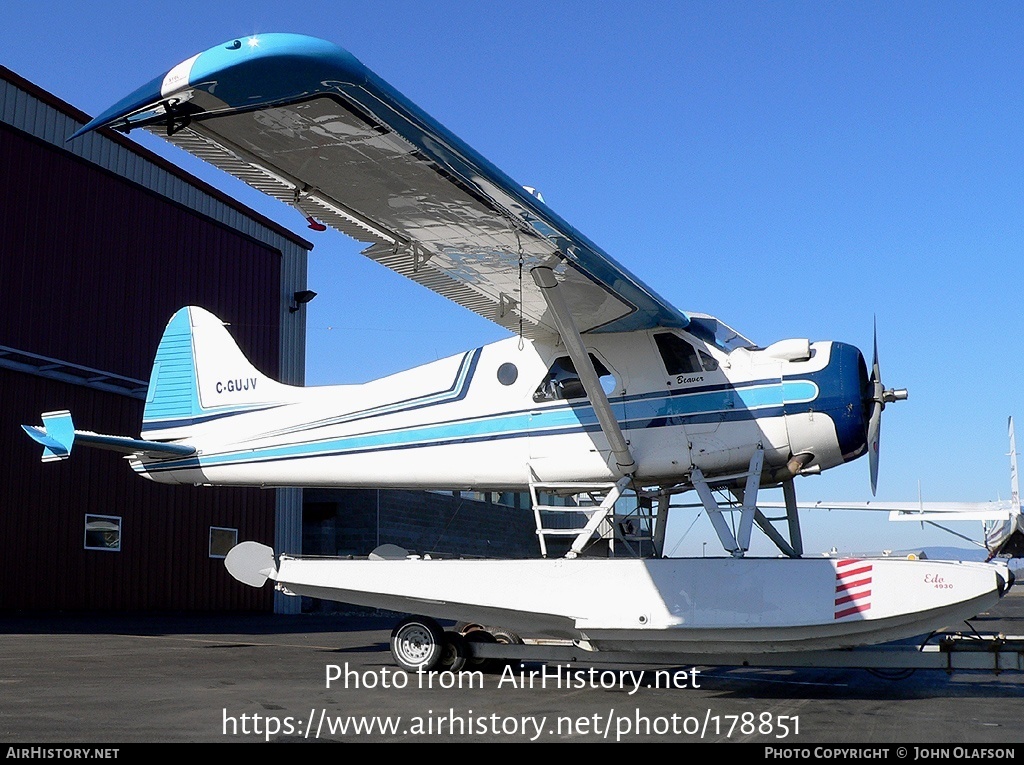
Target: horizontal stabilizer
(126, 445)
(58, 434)
(251, 563)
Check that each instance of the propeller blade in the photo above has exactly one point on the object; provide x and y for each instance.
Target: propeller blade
(878, 403)
(878, 397)
(876, 374)
(874, 434)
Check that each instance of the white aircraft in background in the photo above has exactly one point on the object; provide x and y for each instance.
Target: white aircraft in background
(603, 387)
(1002, 527)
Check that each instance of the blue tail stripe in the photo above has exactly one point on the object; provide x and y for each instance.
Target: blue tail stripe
(173, 389)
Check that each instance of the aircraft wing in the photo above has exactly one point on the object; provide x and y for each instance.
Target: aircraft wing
(1003, 521)
(304, 121)
(916, 511)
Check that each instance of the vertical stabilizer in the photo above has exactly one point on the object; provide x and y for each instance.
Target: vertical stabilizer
(1014, 486)
(200, 375)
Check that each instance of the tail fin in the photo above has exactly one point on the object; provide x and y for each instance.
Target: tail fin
(1006, 539)
(200, 375)
(1014, 487)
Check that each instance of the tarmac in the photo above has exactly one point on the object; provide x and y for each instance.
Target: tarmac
(105, 680)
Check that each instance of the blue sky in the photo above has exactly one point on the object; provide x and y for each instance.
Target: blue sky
(797, 169)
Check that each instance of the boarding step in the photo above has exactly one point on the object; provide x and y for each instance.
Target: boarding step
(600, 512)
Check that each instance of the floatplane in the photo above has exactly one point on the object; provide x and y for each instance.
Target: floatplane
(603, 387)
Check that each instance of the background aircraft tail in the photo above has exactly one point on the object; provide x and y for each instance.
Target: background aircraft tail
(1014, 487)
(200, 375)
(1006, 539)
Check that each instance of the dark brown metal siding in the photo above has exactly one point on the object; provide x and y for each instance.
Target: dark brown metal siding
(91, 269)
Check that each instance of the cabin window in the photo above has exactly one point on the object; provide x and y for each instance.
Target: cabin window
(508, 373)
(103, 532)
(709, 361)
(221, 541)
(678, 355)
(563, 382)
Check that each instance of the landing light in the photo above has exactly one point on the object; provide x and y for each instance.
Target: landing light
(300, 298)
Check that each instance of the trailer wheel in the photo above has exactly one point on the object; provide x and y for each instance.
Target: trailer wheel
(507, 637)
(481, 635)
(501, 636)
(453, 652)
(417, 643)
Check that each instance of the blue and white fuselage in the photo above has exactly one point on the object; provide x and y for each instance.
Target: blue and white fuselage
(486, 419)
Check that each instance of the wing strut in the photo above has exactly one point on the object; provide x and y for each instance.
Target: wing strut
(795, 547)
(750, 498)
(714, 512)
(549, 288)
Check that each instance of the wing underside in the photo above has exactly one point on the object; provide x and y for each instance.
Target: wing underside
(303, 121)
(375, 187)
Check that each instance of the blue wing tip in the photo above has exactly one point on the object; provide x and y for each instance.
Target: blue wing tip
(210, 65)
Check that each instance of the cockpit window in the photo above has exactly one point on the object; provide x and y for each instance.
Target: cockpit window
(563, 382)
(713, 332)
(678, 355)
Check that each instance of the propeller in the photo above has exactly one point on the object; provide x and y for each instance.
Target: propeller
(879, 397)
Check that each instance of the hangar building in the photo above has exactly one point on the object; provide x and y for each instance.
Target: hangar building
(101, 241)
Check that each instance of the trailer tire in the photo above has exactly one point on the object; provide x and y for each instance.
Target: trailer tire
(417, 644)
(507, 637)
(504, 637)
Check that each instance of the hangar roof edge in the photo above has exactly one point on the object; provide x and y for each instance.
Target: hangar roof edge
(77, 114)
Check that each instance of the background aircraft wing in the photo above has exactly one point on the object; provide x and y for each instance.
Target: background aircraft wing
(993, 510)
(916, 511)
(1003, 528)
(304, 121)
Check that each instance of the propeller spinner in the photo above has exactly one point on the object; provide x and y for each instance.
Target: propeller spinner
(878, 398)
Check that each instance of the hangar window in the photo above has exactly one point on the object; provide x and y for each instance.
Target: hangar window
(103, 532)
(563, 382)
(221, 541)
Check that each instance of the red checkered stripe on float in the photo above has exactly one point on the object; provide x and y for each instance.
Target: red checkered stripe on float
(853, 587)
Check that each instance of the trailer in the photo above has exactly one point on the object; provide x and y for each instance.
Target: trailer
(947, 651)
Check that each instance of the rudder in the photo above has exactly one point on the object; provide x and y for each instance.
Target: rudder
(200, 374)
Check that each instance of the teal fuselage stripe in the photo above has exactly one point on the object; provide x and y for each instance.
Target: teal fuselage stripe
(719, 405)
